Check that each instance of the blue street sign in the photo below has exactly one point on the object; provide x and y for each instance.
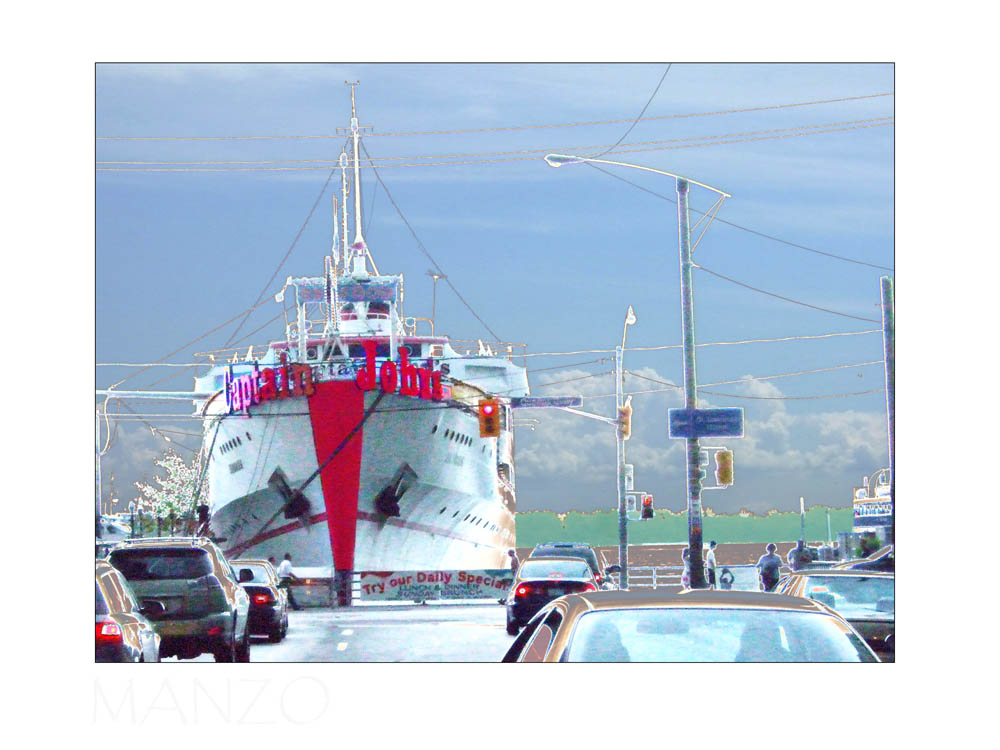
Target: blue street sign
(530, 402)
(697, 423)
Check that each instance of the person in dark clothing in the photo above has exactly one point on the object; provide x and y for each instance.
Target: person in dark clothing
(514, 562)
(726, 579)
(769, 565)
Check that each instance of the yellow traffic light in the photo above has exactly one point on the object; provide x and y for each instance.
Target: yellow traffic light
(625, 421)
(724, 467)
(489, 417)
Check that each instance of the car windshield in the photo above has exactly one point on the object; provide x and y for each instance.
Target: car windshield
(260, 574)
(712, 635)
(869, 597)
(554, 569)
(158, 564)
(582, 552)
(101, 607)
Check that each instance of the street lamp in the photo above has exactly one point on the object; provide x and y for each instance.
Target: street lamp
(694, 470)
(434, 275)
(620, 440)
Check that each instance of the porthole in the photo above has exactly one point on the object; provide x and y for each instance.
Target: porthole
(434, 429)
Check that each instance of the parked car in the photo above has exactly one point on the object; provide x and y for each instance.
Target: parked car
(883, 561)
(205, 610)
(694, 625)
(539, 580)
(122, 630)
(268, 603)
(866, 599)
(573, 549)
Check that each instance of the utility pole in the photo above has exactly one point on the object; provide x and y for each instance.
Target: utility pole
(802, 518)
(889, 347)
(829, 533)
(690, 389)
(97, 517)
(620, 439)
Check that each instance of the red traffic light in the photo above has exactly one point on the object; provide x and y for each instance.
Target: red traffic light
(489, 417)
(647, 500)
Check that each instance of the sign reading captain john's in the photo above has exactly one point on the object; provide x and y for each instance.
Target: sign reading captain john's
(404, 378)
(267, 385)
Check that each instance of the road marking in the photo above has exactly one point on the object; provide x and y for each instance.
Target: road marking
(347, 632)
(342, 645)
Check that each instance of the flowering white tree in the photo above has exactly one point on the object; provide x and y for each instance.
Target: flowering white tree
(176, 492)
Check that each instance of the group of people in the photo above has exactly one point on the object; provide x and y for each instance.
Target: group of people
(768, 567)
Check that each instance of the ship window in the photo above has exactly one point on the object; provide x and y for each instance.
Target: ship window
(466, 518)
(454, 514)
(248, 436)
(378, 310)
(442, 511)
(347, 312)
(434, 429)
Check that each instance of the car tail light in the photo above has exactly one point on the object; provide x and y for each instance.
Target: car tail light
(588, 587)
(108, 631)
(261, 598)
(522, 590)
(215, 631)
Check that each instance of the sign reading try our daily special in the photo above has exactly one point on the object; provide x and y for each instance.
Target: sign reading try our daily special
(422, 585)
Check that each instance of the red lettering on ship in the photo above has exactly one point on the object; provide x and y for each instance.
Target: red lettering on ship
(268, 384)
(422, 382)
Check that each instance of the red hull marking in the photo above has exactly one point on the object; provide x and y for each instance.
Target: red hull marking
(335, 409)
(362, 516)
(271, 533)
(437, 531)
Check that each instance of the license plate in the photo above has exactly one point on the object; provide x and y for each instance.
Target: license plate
(556, 592)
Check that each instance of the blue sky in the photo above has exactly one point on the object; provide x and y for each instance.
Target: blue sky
(547, 257)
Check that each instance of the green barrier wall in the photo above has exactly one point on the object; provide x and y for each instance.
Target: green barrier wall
(600, 528)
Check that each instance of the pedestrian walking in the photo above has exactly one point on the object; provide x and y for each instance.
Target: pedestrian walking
(769, 565)
(285, 578)
(710, 564)
(686, 575)
(514, 562)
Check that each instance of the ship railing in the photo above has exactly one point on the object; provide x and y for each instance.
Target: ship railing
(476, 347)
(227, 356)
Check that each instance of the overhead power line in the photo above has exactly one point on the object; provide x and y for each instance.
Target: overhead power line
(490, 130)
(384, 160)
(786, 299)
(499, 161)
(738, 226)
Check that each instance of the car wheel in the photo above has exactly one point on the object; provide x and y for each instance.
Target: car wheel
(277, 634)
(512, 626)
(243, 651)
(227, 651)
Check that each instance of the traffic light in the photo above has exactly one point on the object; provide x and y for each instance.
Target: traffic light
(647, 507)
(724, 467)
(625, 420)
(489, 417)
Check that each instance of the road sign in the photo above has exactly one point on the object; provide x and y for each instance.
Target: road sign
(696, 423)
(629, 476)
(531, 402)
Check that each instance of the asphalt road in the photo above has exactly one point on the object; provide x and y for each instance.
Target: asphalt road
(432, 633)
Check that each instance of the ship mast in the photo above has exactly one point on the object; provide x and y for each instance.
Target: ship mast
(358, 243)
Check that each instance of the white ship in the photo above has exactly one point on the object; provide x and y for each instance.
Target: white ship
(354, 443)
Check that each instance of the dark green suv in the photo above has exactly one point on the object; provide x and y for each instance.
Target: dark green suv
(205, 610)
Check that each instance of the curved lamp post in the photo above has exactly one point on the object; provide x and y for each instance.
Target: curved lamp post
(694, 470)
